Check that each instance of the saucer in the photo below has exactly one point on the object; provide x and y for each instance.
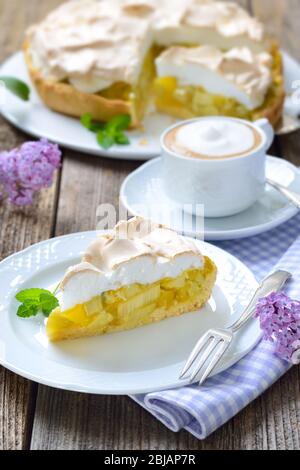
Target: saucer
(142, 194)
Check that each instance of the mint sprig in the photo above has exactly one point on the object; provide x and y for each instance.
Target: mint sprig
(34, 301)
(17, 87)
(88, 122)
(110, 133)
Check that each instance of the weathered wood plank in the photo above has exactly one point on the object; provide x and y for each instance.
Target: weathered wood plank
(19, 229)
(272, 14)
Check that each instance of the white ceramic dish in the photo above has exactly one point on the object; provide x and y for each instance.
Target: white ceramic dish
(37, 120)
(138, 361)
(143, 194)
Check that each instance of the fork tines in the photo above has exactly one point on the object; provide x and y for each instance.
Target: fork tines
(207, 352)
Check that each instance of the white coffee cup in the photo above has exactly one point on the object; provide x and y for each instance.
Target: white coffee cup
(224, 186)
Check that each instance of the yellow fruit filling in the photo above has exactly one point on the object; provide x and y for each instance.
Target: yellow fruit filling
(139, 95)
(187, 102)
(135, 305)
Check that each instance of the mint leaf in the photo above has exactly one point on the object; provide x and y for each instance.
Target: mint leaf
(34, 301)
(88, 122)
(17, 87)
(27, 309)
(30, 294)
(48, 303)
(122, 139)
(110, 133)
(118, 123)
(105, 140)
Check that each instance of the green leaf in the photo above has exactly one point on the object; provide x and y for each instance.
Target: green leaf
(34, 301)
(30, 294)
(118, 123)
(27, 310)
(17, 87)
(110, 133)
(105, 140)
(48, 303)
(87, 121)
(122, 139)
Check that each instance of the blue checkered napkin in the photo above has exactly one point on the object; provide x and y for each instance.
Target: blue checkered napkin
(203, 410)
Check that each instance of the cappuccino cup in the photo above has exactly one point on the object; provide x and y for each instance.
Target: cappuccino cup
(217, 162)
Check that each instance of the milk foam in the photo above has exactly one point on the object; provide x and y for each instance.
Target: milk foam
(216, 138)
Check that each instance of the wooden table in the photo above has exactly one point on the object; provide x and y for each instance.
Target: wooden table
(37, 417)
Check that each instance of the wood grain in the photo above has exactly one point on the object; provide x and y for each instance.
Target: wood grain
(19, 229)
(65, 420)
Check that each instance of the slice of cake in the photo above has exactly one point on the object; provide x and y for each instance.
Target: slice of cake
(203, 81)
(139, 274)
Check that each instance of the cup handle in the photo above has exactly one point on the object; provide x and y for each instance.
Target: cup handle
(268, 129)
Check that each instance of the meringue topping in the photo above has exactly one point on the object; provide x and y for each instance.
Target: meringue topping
(238, 73)
(88, 40)
(94, 43)
(226, 17)
(136, 251)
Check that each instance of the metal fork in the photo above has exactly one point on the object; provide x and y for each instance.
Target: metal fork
(213, 345)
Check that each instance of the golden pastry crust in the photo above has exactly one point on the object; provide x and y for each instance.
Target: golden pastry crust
(66, 99)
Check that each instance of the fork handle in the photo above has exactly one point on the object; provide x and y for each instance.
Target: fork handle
(273, 283)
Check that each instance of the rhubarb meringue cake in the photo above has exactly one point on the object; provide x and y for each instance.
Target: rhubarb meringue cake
(139, 274)
(204, 57)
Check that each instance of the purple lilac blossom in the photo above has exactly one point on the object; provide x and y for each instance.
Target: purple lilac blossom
(28, 169)
(280, 322)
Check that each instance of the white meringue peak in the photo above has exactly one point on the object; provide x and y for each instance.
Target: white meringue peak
(136, 251)
(95, 43)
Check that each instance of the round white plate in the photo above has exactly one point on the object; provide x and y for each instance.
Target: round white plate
(37, 120)
(138, 361)
(142, 193)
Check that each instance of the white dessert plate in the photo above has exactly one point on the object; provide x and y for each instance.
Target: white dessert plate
(138, 361)
(142, 193)
(37, 120)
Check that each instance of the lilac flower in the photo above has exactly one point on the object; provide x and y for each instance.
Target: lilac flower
(28, 169)
(280, 322)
